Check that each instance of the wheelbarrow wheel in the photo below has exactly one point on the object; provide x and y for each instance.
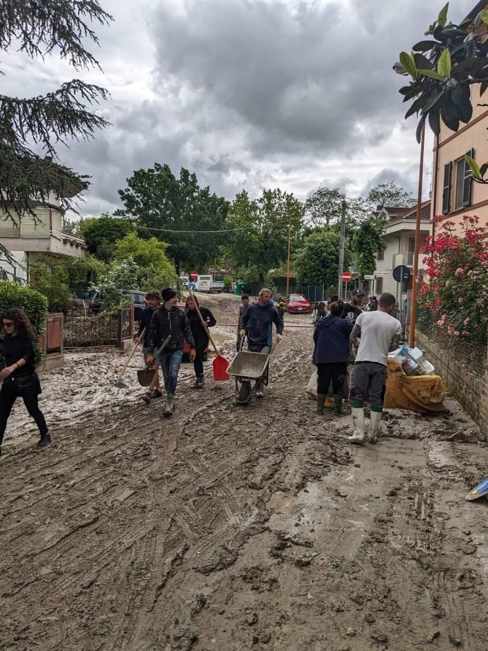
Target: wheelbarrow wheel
(244, 392)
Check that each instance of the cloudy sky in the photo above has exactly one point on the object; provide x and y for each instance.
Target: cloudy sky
(251, 94)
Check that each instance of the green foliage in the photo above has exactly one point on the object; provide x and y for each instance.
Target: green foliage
(101, 235)
(228, 280)
(154, 268)
(324, 207)
(53, 284)
(119, 275)
(260, 242)
(37, 29)
(391, 195)
(368, 240)
(443, 69)
(317, 262)
(156, 199)
(33, 303)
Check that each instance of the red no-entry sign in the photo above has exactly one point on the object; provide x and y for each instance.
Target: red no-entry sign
(347, 276)
(194, 275)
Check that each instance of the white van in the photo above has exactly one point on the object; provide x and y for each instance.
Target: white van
(203, 284)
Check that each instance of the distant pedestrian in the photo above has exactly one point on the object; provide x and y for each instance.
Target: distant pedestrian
(373, 306)
(331, 353)
(170, 320)
(280, 306)
(353, 309)
(153, 303)
(199, 331)
(376, 333)
(242, 311)
(19, 375)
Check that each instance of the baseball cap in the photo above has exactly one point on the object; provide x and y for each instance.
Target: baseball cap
(357, 292)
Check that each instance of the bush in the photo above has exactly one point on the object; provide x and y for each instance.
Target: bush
(53, 285)
(32, 302)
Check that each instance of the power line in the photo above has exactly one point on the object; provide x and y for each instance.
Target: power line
(169, 230)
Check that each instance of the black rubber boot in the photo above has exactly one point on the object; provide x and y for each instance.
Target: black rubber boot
(320, 403)
(44, 441)
(338, 405)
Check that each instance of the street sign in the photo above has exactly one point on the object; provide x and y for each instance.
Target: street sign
(369, 277)
(401, 273)
(347, 276)
(194, 275)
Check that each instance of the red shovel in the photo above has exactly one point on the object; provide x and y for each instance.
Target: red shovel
(220, 363)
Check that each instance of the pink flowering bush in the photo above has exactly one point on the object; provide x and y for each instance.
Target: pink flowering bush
(455, 290)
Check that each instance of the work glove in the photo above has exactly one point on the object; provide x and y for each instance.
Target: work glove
(193, 354)
(242, 333)
(279, 338)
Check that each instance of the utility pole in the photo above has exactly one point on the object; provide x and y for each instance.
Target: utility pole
(413, 308)
(288, 260)
(341, 248)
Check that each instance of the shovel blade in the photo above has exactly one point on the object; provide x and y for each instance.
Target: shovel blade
(120, 385)
(220, 366)
(145, 377)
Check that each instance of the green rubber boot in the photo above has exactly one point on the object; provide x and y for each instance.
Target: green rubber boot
(320, 403)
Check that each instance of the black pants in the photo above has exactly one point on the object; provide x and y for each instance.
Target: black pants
(336, 372)
(200, 346)
(29, 394)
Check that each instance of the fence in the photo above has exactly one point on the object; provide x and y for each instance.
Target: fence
(109, 328)
(462, 363)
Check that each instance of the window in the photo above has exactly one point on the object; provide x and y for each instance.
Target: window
(468, 181)
(411, 251)
(381, 255)
(460, 173)
(446, 192)
(379, 286)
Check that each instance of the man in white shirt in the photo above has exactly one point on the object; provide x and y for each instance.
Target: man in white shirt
(379, 333)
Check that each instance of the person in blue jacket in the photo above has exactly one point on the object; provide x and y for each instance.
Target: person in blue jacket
(331, 354)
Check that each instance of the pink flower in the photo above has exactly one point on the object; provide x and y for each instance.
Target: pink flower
(456, 333)
(444, 317)
(466, 321)
(450, 330)
(465, 333)
(459, 271)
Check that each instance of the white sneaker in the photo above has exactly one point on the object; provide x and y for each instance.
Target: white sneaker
(358, 435)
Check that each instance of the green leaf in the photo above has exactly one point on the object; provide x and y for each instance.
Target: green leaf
(474, 167)
(422, 62)
(484, 16)
(432, 74)
(444, 65)
(433, 100)
(483, 169)
(423, 46)
(435, 121)
(409, 64)
(442, 19)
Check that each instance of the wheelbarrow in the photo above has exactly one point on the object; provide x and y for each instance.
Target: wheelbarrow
(246, 367)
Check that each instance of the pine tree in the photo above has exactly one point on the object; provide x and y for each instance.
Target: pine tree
(37, 28)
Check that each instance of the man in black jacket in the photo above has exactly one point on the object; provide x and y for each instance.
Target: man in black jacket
(153, 301)
(170, 320)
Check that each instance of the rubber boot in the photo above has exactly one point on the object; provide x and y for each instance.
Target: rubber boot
(358, 421)
(44, 441)
(260, 389)
(169, 406)
(374, 426)
(200, 382)
(338, 404)
(320, 403)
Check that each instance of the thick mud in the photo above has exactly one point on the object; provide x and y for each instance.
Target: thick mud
(231, 528)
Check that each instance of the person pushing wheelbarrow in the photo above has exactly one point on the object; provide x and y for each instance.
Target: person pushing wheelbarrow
(255, 323)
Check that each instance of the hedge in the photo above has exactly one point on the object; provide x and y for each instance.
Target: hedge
(32, 302)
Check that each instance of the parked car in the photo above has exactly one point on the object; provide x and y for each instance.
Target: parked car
(217, 286)
(298, 304)
(95, 304)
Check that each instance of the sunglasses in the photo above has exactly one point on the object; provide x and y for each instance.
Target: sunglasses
(7, 324)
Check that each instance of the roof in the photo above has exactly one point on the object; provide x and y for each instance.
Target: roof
(395, 214)
(424, 212)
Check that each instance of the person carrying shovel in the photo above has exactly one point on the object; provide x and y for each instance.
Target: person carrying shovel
(153, 301)
(169, 321)
(255, 323)
(199, 329)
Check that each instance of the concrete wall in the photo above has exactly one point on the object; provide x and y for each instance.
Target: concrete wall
(468, 386)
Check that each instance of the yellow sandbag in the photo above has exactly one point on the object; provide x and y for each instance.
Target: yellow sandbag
(421, 393)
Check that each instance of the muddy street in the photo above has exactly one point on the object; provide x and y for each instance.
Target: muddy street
(230, 528)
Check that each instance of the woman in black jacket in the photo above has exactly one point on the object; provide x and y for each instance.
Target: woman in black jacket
(19, 375)
(200, 335)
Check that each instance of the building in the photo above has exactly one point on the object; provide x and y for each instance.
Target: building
(399, 236)
(42, 233)
(454, 194)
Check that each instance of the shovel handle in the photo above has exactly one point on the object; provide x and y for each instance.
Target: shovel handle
(206, 326)
(165, 343)
(134, 348)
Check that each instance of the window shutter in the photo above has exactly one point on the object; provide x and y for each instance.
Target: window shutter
(468, 181)
(446, 193)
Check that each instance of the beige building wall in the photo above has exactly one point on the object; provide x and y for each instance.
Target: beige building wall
(450, 149)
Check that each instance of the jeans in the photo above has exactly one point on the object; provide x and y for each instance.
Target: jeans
(335, 372)
(170, 361)
(9, 394)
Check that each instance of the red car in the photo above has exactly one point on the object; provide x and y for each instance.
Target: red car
(298, 304)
